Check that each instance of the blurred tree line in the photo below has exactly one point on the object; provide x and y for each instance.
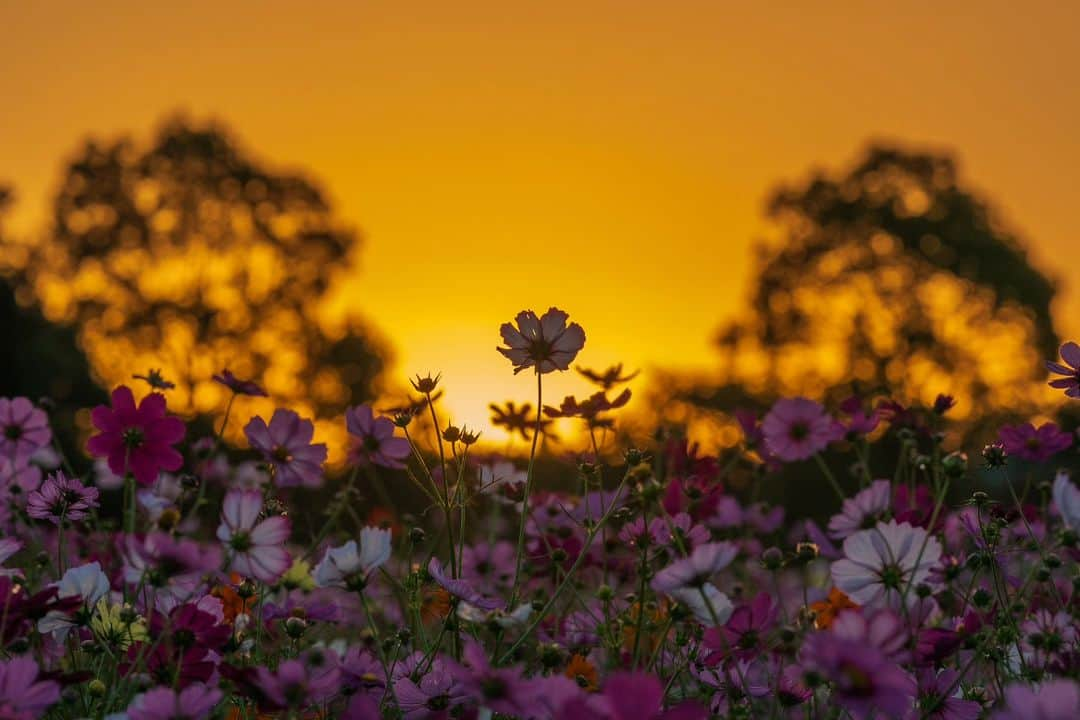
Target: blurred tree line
(191, 256)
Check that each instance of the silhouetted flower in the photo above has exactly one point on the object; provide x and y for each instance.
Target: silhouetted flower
(155, 379)
(545, 343)
(136, 440)
(609, 378)
(1070, 369)
(238, 386)
(61, 498)
(285, 445)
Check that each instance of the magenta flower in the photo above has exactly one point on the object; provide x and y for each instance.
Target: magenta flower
(255, 548)
(377, 444)
(285, 445)
(499, 689)
(23, 429)
(630, 696)
(297, 684)
(864, 681)
(797, 429)
(22, 695)
(61, 498)
(238, 386)
(136, 440)
(545, 343)
(195, 702)
(744, 632)
(433, 697)
(1036, 445)
(1070, 369)
(696, 569)
(172, 568)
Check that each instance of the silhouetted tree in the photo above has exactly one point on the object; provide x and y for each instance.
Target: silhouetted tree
(191, 256)
(891, 276)
(42, 360)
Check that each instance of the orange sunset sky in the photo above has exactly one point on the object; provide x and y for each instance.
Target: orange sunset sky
(608, 157)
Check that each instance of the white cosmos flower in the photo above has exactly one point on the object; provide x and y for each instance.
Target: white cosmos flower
(349, 561)
(87, 582)
(880, 563)
(1067, 499)
(712, 608)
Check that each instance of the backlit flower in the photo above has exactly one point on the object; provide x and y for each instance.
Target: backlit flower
(880, 563)
(376, 442)
(546, 343)
(255, 548)
(136, 440)
(285, 445)
(1070, 370)
(797, 429)
(1036, 445)
(238, 386)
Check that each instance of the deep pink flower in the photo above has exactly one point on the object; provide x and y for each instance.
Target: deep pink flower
(285, 445)
(630, 696)
(1070, 369)
(255, 548)
(297, 684)
(22, 695)
(238, 386)
(136, 440)
(864, 681)
(744, 632)
(1036, 445)
(377, 444)
(23, 429)
(797, 429)
(172, 568)
(546, 343)
(500, 689)
(61, 498)
(195, 702)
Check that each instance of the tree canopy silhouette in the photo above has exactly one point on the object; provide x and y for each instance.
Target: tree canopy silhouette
(192, 256)
(892, 275)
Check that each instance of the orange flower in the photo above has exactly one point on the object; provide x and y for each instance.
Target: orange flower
(650, 639)
(436, 605)
(583, 672)
(826, 610)
(231, 601)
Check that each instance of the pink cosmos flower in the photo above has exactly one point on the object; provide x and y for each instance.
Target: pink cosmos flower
(864, 682)
(461, 589)
(797, 429)
(61, 498)
(1035, 445)
(545, 343)
(696, 569)
(136, 440)
(23, 430)
(433, 697)
(938, 697)
(1070, 369)
(255, 548)
(297, 684)
(377, 444)
(861, 511)
(285, 445)
(22, 695)
(630, 696)
(879, 563)
(195, 702)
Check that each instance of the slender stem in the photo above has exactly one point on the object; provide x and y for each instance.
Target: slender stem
(829, 476)
(528, 490)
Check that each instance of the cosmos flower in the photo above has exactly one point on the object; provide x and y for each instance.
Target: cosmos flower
(630, 696)
(86, 582)
(546, 343)
(707, 603)
(432, 697)
(744, 632)
(861, 511)
(1057, 699)
(285, 445)
(462, 589)
(696, 569)
(172, 569)
(61, 498)
(255, 548)
(377, 444)
(136, 440)
(499, 689)
(348, 566)
(797, 429)
(1067, 500)
(22, 695)
(1035, 445)
(608, 378)
(24, 429)
(155, 379)
(879, 563)
(864, 681)
(312, 679)
(238, 386)
(1069, 369)
(195, 702)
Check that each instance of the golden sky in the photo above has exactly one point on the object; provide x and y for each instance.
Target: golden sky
(607, 157)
